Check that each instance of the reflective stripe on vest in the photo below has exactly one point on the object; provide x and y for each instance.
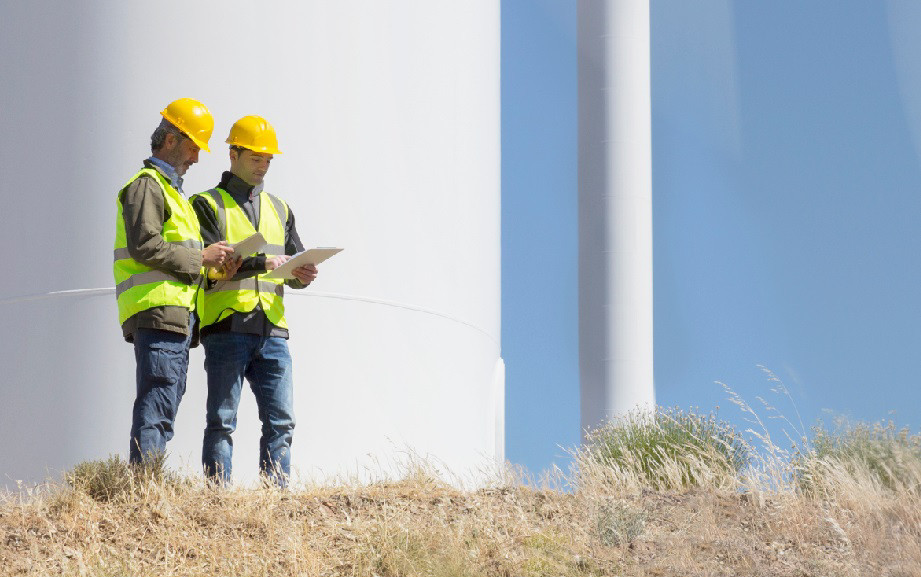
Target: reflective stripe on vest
(244, 295)
(142, 278)
(121, 253)
(249, 284)
(139, 287)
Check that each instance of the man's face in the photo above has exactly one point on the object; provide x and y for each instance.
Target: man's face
(250, 166)
(180, 152)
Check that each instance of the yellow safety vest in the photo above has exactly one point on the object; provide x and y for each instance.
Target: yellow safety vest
(242, 296)
(139, 287)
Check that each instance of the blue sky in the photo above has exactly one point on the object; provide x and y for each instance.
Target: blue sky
(787, 201)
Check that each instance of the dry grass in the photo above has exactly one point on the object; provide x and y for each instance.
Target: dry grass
(694, 512)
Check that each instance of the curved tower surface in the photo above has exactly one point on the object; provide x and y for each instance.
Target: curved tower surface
(615, 209)
(388, 117)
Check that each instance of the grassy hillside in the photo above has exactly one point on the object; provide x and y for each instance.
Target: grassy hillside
(673, 494)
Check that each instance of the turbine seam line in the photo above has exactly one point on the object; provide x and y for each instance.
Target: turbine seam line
(338, 296)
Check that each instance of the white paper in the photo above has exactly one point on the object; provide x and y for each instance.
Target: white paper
(312, 256)
(249, 245)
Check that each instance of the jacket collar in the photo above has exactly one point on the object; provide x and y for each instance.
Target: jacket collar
(239, 189)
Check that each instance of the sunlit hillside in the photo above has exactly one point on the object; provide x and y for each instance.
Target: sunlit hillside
(674, 494)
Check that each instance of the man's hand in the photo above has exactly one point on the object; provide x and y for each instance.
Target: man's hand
(306, 274)
(216, 254)
(232, 265)
(276, 261)
(227, 270)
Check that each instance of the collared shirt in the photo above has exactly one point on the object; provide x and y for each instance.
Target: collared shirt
(169, 171)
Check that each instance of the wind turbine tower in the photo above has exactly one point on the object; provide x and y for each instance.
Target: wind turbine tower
(615, 209)
(388, 114)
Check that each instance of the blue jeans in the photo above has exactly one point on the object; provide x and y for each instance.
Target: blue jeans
(266, 364)
(162, 364)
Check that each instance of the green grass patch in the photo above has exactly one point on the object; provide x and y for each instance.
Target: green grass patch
(878, 454)
(665, 449)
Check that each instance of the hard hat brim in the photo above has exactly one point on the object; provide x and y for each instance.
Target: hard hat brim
(262, 149)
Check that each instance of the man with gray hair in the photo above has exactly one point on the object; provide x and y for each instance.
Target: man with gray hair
(159, 257)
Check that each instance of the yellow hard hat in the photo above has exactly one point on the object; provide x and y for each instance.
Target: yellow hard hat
(193, 118)
(254, 133)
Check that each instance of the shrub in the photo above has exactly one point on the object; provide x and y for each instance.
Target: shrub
(114, 477)
(619, 524)
(875, 455)
(666, 449)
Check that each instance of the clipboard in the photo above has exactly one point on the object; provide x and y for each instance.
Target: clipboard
(313, 256)
(249, 245)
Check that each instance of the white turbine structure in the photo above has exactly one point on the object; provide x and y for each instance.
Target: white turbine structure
(388, 117)
(615, 209)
